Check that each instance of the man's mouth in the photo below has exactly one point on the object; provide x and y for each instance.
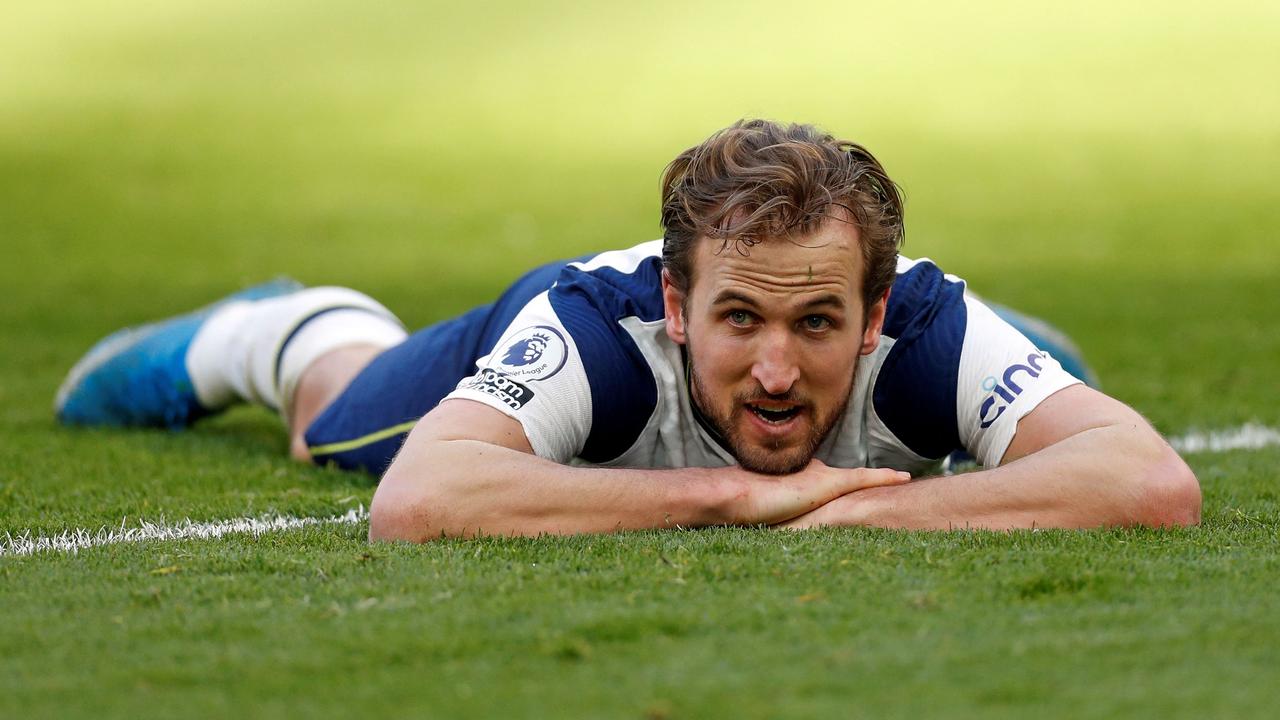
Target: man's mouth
(775, 414)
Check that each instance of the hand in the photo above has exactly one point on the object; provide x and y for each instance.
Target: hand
(841, 510)
(773, 499)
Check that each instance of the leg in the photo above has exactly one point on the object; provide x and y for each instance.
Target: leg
(320, 384)
(253, 346)
(333, 362)
(359, 405)
(364, 424)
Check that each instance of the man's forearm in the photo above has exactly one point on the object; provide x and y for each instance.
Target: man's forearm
(1116, 475)
(469, 487)
(462, 488)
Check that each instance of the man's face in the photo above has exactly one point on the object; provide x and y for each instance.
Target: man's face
(773, 339)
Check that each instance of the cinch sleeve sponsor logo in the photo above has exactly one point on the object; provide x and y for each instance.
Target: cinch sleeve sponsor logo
(502, 387)
(534, 353)
(1005, 390)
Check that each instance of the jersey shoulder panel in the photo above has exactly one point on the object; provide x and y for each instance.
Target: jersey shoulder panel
(591, 298)
(956, 375)
(555, 358)
(915, 390)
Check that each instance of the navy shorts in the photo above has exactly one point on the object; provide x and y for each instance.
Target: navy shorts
(364, 427)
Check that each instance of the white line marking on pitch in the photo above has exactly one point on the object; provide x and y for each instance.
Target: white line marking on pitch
(79, 539)
(1250, 436)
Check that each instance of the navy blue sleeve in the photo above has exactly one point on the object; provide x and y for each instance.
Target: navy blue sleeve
(623, 390)
(915, 391)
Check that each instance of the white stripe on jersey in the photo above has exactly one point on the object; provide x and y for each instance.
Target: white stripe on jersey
(624, 261)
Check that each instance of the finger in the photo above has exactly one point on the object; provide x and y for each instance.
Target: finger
(879, 477)
(844, 481)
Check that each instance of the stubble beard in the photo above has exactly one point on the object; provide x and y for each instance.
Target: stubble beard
(767, 460)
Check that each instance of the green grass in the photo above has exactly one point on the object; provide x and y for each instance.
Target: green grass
(1107, 168)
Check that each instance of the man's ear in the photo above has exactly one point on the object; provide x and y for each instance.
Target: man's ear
(875, 324)
(673, 304)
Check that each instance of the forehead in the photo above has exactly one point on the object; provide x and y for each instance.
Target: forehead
(827, 260)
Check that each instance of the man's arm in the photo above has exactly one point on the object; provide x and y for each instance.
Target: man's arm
(468, 469)
(1079, 459)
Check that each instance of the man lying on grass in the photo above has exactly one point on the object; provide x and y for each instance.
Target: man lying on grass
(771, 361)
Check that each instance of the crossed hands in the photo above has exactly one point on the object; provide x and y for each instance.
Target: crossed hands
(816, 496)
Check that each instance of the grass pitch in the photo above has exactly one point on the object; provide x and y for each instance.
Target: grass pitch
(1106, 168)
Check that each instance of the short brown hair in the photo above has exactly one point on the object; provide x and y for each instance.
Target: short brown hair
(758, 179)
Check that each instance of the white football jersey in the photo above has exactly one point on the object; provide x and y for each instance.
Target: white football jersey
(587, 369)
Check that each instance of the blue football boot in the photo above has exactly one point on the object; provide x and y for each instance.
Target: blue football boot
(138, 376)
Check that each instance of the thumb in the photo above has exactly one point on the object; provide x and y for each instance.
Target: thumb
(864, 478)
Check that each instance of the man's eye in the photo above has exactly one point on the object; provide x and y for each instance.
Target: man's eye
(817, 322)
(738, 317)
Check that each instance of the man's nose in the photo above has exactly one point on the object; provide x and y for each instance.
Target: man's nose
(776, 368)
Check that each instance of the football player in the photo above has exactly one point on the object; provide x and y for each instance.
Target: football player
(772, 360)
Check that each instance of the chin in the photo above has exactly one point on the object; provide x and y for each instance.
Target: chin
(772, 462)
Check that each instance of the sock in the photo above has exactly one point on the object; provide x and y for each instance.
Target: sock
(326, 332)
(255, 351)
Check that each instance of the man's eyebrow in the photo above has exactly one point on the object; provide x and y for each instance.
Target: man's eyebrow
(823, 300)
(725, 297)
